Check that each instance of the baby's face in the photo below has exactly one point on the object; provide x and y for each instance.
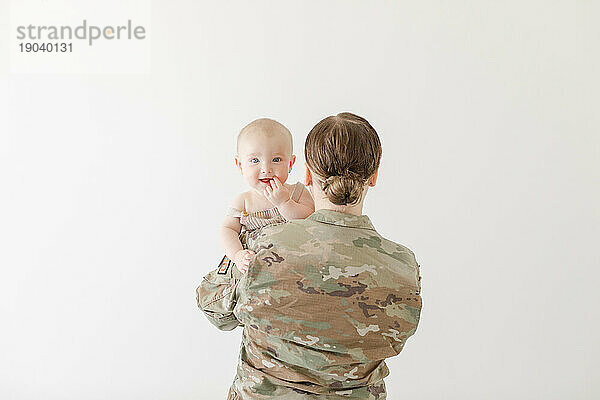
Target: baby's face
(263, 156)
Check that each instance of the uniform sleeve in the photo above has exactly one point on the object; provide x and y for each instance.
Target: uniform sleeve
(217, 295)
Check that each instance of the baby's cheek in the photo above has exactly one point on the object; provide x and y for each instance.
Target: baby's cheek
(283, 177)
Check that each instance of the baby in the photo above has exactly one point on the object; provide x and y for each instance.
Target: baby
(264, 157)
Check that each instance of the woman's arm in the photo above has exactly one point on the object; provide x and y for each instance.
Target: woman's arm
(217, 295)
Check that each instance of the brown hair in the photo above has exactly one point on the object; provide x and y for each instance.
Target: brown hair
(343, 151)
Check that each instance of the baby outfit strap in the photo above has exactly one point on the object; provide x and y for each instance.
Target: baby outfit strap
(233, 212)
(297, 192)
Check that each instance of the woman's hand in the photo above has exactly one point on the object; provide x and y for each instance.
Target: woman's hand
(242, 260)
(277, 193)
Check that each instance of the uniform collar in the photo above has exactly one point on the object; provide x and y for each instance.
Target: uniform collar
(342, 219)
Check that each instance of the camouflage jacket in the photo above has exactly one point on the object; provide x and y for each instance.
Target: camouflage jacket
(324, 302)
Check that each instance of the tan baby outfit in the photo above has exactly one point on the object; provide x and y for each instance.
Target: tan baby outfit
(255, 220)
(260, 219)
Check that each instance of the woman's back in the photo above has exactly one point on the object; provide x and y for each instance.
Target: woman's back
(326, 300)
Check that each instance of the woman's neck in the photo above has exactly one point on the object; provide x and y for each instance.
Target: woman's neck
(323, 203)
(354, 209)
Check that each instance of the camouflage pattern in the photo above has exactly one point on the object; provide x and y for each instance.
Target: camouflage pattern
(324, 302)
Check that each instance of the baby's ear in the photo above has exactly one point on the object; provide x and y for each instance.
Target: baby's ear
(307, 176)
(238, 163)
(292, 161)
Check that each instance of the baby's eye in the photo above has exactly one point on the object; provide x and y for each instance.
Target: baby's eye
(277, 159)
(254, 160)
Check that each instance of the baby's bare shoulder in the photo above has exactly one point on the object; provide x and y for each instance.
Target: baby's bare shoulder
(239, 201)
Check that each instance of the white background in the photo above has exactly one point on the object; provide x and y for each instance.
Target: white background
(113, 187)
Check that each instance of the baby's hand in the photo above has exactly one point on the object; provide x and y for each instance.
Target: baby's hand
(242, 259)
(277, 193)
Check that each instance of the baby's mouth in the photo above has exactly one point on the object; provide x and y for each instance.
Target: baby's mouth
(266, 180)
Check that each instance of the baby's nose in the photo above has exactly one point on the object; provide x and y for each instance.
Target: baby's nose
(267, 167)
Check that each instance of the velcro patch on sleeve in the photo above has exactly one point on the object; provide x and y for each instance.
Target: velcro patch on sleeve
(224, 266)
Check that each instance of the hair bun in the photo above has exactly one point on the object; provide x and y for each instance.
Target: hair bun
(344, 189)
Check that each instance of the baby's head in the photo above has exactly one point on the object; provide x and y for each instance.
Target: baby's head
(264, 150)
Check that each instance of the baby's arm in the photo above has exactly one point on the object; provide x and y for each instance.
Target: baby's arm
(280, 196)
(230, 231)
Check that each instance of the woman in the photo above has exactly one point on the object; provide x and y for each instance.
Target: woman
(326, 299)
